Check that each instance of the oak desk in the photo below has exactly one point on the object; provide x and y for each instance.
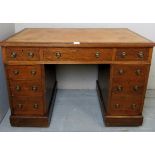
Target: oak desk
(123, 59)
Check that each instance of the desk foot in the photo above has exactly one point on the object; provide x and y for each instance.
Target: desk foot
(35, 121)
(111, 120)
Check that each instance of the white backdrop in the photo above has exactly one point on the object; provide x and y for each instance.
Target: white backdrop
(84, 76)
(5, 31)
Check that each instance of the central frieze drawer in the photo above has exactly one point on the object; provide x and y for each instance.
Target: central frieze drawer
(77, 54)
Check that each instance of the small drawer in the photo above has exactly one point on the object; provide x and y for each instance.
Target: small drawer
(27, 105)
(22, 54)
(126, 105)
(18, 72)
(78, 54)
(132, 54)
(127, 88)
(130, 71)
(26, 88)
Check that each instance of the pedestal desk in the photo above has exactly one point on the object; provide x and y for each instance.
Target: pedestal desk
(123, 58)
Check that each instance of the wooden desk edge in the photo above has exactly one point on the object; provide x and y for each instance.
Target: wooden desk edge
(71, 44)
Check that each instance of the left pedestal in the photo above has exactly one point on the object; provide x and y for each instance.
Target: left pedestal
(32, 91)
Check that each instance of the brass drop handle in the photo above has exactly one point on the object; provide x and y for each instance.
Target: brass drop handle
(123, 54)
(133, 106)
(13, 55)
(33, 72)
(35, 106)
(141, 55)
(136, 88)
(138, 72)
(97, 54)
(18, 88)
(120, 71)
(119, 88)
(20, 106)
(16, 72)
(34, 88)
(58, 55)
(117, 106)
(31, 54)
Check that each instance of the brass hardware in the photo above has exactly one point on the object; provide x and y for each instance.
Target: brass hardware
(138, 72)
(20, 106)
(119, 88)
(18, 88)
(135, 88)
(58, 55)
(13, 55)
(121, 71)
(97, 54)
(31, 54)
(16, 72)
(123, 54)
(141, 55)
(117, 106)
(33, 72)
(133, 106)
(35, 106)
(34, 88)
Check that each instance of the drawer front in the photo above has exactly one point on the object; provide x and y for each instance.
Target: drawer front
(78, 54)
(24, 72)
(22, 54)
(135, 72)
(132, 54)
(127, 88)
(27, 106)
(26, 88)
(126, 106)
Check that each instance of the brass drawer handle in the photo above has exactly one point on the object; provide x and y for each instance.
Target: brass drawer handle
(117, 106)
(123, 54)
(119, 88)
(140, 54)
(13, 55)
(16, 72)
(34, 88)
(97, 54)
(31, 54)
(18, 88)
(33, 72)
(58, 55)
(20, 106)
(35, 106)
(136, 88)
(138, 72)
(120, 71)
(133, 106)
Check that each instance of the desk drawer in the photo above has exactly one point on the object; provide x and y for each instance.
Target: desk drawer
(26, 88)
(127, 88)
(78, 54)
(27, 105)
(132, 54)
(132, 72)
(18, 72)
(22, 54)
(126, 105)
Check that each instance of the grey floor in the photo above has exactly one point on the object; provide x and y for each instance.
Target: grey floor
(78, 110)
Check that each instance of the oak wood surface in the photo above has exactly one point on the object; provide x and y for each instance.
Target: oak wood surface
(70, 36)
